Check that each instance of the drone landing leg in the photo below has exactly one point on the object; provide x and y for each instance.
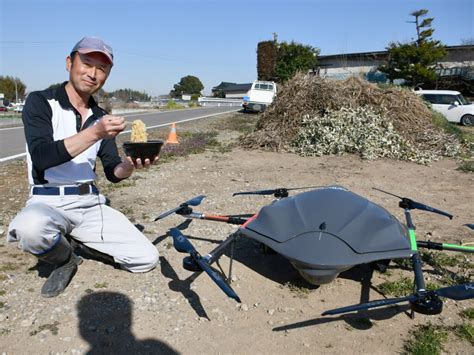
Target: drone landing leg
(228, 278)
(215, 254)
(419, 280)
(231, 260)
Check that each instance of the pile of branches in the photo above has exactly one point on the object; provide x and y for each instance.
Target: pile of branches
(310, 98)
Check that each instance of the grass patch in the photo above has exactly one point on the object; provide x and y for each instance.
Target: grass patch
(438, 259)
(441, 122)
(468, 313)
(239, 123)
(466, 166)
(426, 340)
(465, 135)
(126, 210)
(101, 285)
(465, 331)
(399, 288)
(298, 288)
(5, 331)
(8, 267)
(51, 327)
(2, 292)
(173, 105)
(190, 143)
(2, 304)
(405, 264)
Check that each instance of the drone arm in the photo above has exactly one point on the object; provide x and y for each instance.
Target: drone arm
(409, 204)
(445, 246)
(457, 292)
(409, 220)
(423, 207)
(373, 304)
(167, 213)
(220, 249)
(259, 192)
(226, 219)
(415, 258)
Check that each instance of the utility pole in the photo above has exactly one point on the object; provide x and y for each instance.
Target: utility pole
(16, 91)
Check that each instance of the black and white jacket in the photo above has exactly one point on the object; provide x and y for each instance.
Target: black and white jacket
(49, 118)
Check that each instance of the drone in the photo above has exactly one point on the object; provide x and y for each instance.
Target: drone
(322, 233)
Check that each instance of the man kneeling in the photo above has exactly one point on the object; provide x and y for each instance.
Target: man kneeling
(65, 132)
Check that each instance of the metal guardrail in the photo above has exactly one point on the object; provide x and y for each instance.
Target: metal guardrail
(215, 101)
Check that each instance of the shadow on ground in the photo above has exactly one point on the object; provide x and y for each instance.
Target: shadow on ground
(105, 321)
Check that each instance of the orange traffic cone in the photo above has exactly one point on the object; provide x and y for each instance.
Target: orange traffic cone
(172, 137)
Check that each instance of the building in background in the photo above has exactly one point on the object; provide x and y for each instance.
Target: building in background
(458, 62)
(231, 90)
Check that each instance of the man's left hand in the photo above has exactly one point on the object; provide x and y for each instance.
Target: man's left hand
(128, 165)
(139, 164)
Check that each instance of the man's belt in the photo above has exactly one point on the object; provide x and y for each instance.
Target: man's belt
(83, 189)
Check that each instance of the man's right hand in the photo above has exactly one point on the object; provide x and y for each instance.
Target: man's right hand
(110, 126)
(107, 127)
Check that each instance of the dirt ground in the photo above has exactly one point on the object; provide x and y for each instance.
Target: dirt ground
(171, 310)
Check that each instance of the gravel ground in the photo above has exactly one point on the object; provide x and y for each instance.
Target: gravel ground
(171, 310)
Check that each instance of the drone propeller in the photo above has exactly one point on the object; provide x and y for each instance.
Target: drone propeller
(470, 225)
(279, 192)
(457, 293)
(413, 205)
(193, 202)
(183, 245)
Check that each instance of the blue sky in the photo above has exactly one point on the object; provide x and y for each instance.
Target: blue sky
(156, 43)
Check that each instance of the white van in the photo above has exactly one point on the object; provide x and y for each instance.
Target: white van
(451, 104)
(260, 96)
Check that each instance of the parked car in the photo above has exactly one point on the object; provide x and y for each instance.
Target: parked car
(451, 104)
(3, 108)
(259, 96)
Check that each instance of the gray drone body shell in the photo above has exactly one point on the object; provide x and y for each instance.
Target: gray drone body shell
(326, 231)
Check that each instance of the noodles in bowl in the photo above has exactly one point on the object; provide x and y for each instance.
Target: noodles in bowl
(139, 146)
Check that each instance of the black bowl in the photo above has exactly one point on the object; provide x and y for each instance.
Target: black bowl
(143, 150)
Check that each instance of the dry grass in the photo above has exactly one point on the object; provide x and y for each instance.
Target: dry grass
(311, 96)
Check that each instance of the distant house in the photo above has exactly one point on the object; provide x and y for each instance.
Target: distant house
(231, 90)
(341, 66)
(220, 89)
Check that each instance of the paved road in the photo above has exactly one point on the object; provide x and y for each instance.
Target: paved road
(12, 140)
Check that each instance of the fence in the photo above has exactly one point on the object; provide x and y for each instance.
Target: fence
(215, 101)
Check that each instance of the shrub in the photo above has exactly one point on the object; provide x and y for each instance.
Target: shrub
(358, 130)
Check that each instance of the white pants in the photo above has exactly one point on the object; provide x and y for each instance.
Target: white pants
(86, 219)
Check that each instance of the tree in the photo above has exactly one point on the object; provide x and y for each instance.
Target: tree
(281, 61)
(187, 85)
(267, 54)
(54, 86)
(12, 88)
(415, 62)
(129, 95)
(423, 35)
(292, 58)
